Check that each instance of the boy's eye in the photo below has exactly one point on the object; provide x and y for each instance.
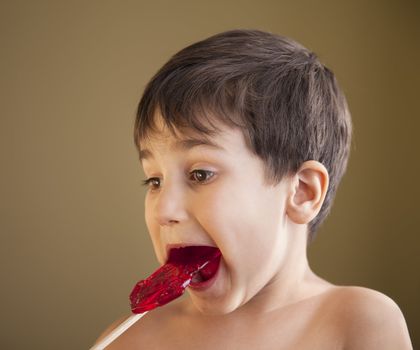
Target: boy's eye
(152, 182)
(201, 175)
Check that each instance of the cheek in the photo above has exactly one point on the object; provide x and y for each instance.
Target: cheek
(148, 217)
(153, 231)
(147, 213)
(227, 216)
(244, 224)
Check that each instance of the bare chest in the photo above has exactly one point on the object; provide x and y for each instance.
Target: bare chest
(294, 329)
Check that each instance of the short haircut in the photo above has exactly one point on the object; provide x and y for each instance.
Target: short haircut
(288, 104)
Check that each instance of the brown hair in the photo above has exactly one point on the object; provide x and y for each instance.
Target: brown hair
(288, 104)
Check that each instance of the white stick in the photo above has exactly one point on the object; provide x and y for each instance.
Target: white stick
(117, 331)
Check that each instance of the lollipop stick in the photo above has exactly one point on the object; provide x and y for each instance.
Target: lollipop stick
(117, 331)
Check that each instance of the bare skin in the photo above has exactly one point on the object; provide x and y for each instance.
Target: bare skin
(323, 321)
(265, 295)
(306, 324)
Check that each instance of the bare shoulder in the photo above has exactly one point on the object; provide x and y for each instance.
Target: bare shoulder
(370, 319)
(143, 333)
(110, 328)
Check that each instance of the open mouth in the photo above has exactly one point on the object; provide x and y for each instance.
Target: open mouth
(206, 273)
(194, 266)
(201, 261)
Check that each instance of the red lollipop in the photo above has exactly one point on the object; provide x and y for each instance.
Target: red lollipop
(192, 265)
(185, 266)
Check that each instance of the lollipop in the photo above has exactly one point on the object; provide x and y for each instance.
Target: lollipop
(186, 266)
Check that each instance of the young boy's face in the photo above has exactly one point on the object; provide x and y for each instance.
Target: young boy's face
(216, 196)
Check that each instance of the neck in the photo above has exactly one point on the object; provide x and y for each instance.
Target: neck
(294, 280)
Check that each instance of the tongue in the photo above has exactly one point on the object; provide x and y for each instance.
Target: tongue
(187, 264)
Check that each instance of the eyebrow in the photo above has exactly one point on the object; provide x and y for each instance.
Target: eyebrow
(185, 144)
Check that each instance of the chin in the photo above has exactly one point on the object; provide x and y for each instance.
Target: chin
(212, 311)
(214, 308)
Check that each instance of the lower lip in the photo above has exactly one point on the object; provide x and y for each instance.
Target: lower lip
(206, 284)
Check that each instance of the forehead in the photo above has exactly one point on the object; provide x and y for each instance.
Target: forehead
(185, 138)
(180, 144)
(225, 138)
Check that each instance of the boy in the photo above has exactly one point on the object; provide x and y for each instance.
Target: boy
(244, 138)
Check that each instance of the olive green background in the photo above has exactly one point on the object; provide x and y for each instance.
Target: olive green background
(73, 238)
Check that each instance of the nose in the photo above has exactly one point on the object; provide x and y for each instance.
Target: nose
(170, 206)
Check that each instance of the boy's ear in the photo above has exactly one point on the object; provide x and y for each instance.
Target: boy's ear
(308, 189)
